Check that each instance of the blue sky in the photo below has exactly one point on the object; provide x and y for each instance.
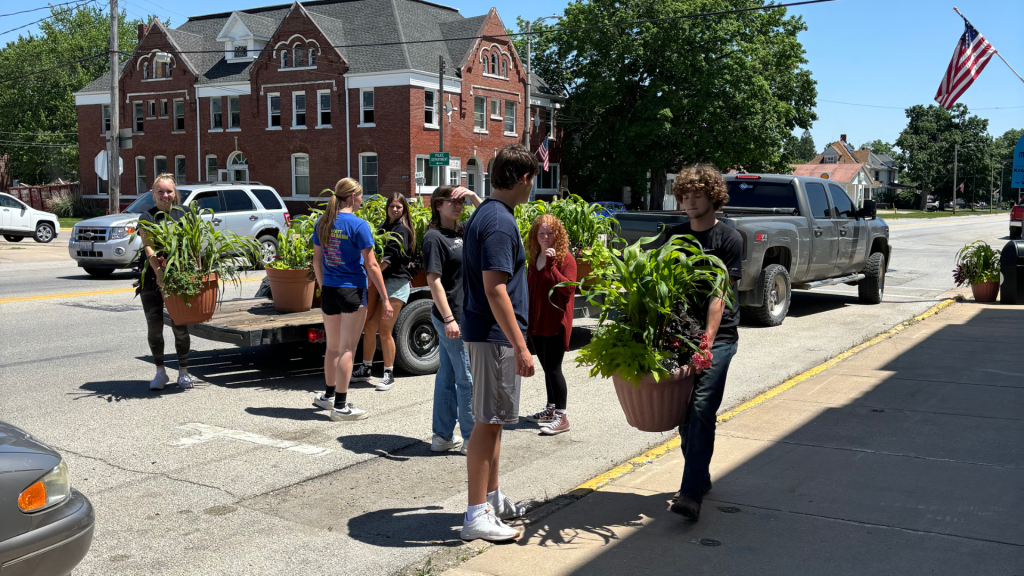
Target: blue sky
(869, 52)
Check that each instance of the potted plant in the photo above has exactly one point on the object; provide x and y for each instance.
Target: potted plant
(978, 263)
(290, 274)
(196, 258)
(375, 211)
(649, 328)
(588, 230)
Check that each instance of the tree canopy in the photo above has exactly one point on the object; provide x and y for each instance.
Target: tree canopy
(799, 150)
(880, 147)
(38, 77)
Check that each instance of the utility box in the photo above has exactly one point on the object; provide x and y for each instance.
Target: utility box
(1012, 264)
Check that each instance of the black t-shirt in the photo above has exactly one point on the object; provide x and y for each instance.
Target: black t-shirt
(492, 243)
(155, 215)
(442, 254)
(398, 255)
(726, 243)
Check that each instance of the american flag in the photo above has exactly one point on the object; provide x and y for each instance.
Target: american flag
(962, 185)
(970, 57)
(543, 152)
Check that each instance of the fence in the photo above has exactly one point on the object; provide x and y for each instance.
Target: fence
(38, 197)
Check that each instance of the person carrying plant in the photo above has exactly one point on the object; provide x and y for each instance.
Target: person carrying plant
(166, 205)
(442, 261)
(398, 252)
(551, 310)
(494, 319)
(700, 191)
(342, 261)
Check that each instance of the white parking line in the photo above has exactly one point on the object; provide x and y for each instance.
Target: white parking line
(208, 432)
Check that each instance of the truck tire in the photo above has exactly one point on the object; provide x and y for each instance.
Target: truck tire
(871, 287)
(777, 291)
(268, 248)
(13, 238)
(44, 233)
(1014, 233)
(417, 346)
(99, 272)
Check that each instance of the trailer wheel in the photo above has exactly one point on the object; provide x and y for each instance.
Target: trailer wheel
(777, 290)
(417, 346)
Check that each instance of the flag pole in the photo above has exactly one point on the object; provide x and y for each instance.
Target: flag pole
(994, 50)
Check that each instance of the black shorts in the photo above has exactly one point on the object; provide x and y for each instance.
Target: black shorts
(334, 301)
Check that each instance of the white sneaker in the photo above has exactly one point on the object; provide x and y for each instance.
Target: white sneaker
(349, 412)
(159, 381)
(323, 401)
(439, 444)
(185, 381)
(465, 448)
(507, 509)
(488, 527)
(386, 382)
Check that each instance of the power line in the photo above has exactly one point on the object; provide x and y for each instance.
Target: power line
(905, 107)
(35, 144)
(57, 67)
(41, 8)
(41, 133)
(77, 6)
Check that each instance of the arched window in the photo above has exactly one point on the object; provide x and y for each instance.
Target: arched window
(299, 54)
(312, 57)
(494, 64)
(284, 58)
(145, 71)
(238, 167)
(504, 68)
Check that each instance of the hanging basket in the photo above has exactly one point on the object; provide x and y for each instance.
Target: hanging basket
(654, 406)
(292, 290)
(985, 291)
(200, 307)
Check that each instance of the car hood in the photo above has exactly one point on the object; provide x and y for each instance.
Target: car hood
(14, 439)
(109, 220)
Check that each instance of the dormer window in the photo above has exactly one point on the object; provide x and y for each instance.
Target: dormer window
(241, 51)
(299, 54)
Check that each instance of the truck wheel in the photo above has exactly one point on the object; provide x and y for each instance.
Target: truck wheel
(44, 232)
(20, 238)
(99, 272)
(268, 248)
(871, 287)
(417, 347)
(773, 309)
(1014, 234)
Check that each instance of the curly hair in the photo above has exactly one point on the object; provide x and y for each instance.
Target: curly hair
(561, 243)
(701, 179)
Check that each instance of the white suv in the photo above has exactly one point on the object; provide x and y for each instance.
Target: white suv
(102, 245)
(18, 221)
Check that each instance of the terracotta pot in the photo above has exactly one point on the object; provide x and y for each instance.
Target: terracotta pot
(654, 406)
(985, 291)
(292, 290)
(420, 279)
(200, 307)
(584, 272)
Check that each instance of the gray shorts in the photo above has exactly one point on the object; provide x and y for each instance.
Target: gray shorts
(398, 288)
(495, 383)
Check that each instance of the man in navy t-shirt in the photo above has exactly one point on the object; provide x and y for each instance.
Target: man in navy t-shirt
(494, 316)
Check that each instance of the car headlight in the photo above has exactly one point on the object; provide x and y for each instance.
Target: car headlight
(121, 232)
(48, 491)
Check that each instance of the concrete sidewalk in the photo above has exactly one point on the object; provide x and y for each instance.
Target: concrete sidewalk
(906, 458)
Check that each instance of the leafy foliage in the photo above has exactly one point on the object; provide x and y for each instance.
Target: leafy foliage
(653, 298)
(526, 213)
(295, 245)
(193, 248)
(976, 262)
(375, 211)
(583, 222)
(70, 205)
(420, 216)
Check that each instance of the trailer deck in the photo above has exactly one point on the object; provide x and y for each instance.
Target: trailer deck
(255, 322)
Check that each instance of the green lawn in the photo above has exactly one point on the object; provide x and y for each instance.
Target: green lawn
(69, 222)
(920, 214)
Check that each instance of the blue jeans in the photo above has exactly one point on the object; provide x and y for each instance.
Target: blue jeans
(453, 387)
(697, 430)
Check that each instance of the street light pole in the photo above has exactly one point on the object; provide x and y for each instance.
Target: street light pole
(529, 84)
(114, 142)
(956, 150)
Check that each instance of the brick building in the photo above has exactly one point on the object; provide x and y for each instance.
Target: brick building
(297, 96)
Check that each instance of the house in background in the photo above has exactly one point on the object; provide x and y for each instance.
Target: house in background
(862, 173)
(544, 102)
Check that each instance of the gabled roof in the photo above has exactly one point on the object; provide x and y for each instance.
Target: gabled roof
(837, 172)
(260, 26)
(541, 89)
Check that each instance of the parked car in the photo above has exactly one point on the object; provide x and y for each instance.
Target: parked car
(1016, 218)
(105, 244)
(46, 526)
(609, 209)
(19, 220)
(798, 232)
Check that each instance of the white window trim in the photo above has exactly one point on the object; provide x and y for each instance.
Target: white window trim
(228, 113)
(137, 158)
(495, 76)
(155, 171)
(437, 110)
(494, 116)
(442, 177)
(377, 175)
(221, 127)
(174, 115)
(362, 109)
(175, 170)
(269, 115)
(104, 120)
(305, 107)
(477, 129)
(137, 117)
(551, 167)
(294, 156)
(320, 110)
(215, 176)
(515, 117)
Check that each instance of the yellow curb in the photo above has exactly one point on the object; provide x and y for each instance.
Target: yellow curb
(80, 294)
(659, 451)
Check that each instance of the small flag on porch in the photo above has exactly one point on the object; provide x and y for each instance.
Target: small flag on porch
(543, 152)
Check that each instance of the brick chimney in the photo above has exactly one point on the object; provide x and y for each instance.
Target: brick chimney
(843, 138)
(142, 31)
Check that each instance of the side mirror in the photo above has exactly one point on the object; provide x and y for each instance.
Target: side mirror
(869, 211)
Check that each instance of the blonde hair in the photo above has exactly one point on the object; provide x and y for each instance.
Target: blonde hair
(345, 188)
(175, 200)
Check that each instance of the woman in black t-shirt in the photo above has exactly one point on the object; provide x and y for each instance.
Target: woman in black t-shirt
(395, 267)
(165, 196)
(442, 260)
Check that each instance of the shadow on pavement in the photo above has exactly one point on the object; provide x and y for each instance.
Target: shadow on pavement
(118, 390)
(282, 366)
(299, 414)
(908, 459)
(407, 527)
(388, 446)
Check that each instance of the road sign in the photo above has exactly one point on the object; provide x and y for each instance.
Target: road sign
(438, 159)
(1018, 165)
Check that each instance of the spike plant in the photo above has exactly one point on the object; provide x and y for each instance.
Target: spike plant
(586, 227)
(295, 245)
(375, 211)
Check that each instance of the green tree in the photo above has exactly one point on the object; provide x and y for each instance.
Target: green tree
(37, 108)
(928, 143)
(880, 147)
(799, 150)
(644, 99)
(543, 56)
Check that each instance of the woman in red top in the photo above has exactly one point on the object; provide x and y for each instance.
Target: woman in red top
(550, 314)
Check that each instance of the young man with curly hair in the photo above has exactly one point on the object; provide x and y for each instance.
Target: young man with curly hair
(700, 191)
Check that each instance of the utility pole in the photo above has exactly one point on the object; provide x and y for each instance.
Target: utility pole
(438, 109)
(529, 84)
(956, 150)
(114, 144)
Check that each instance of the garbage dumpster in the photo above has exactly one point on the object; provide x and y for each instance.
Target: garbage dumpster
(1012, 264)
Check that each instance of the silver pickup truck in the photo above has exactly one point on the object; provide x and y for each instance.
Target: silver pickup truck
(798, 232)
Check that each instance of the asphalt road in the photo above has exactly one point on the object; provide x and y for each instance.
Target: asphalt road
(242, 476)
